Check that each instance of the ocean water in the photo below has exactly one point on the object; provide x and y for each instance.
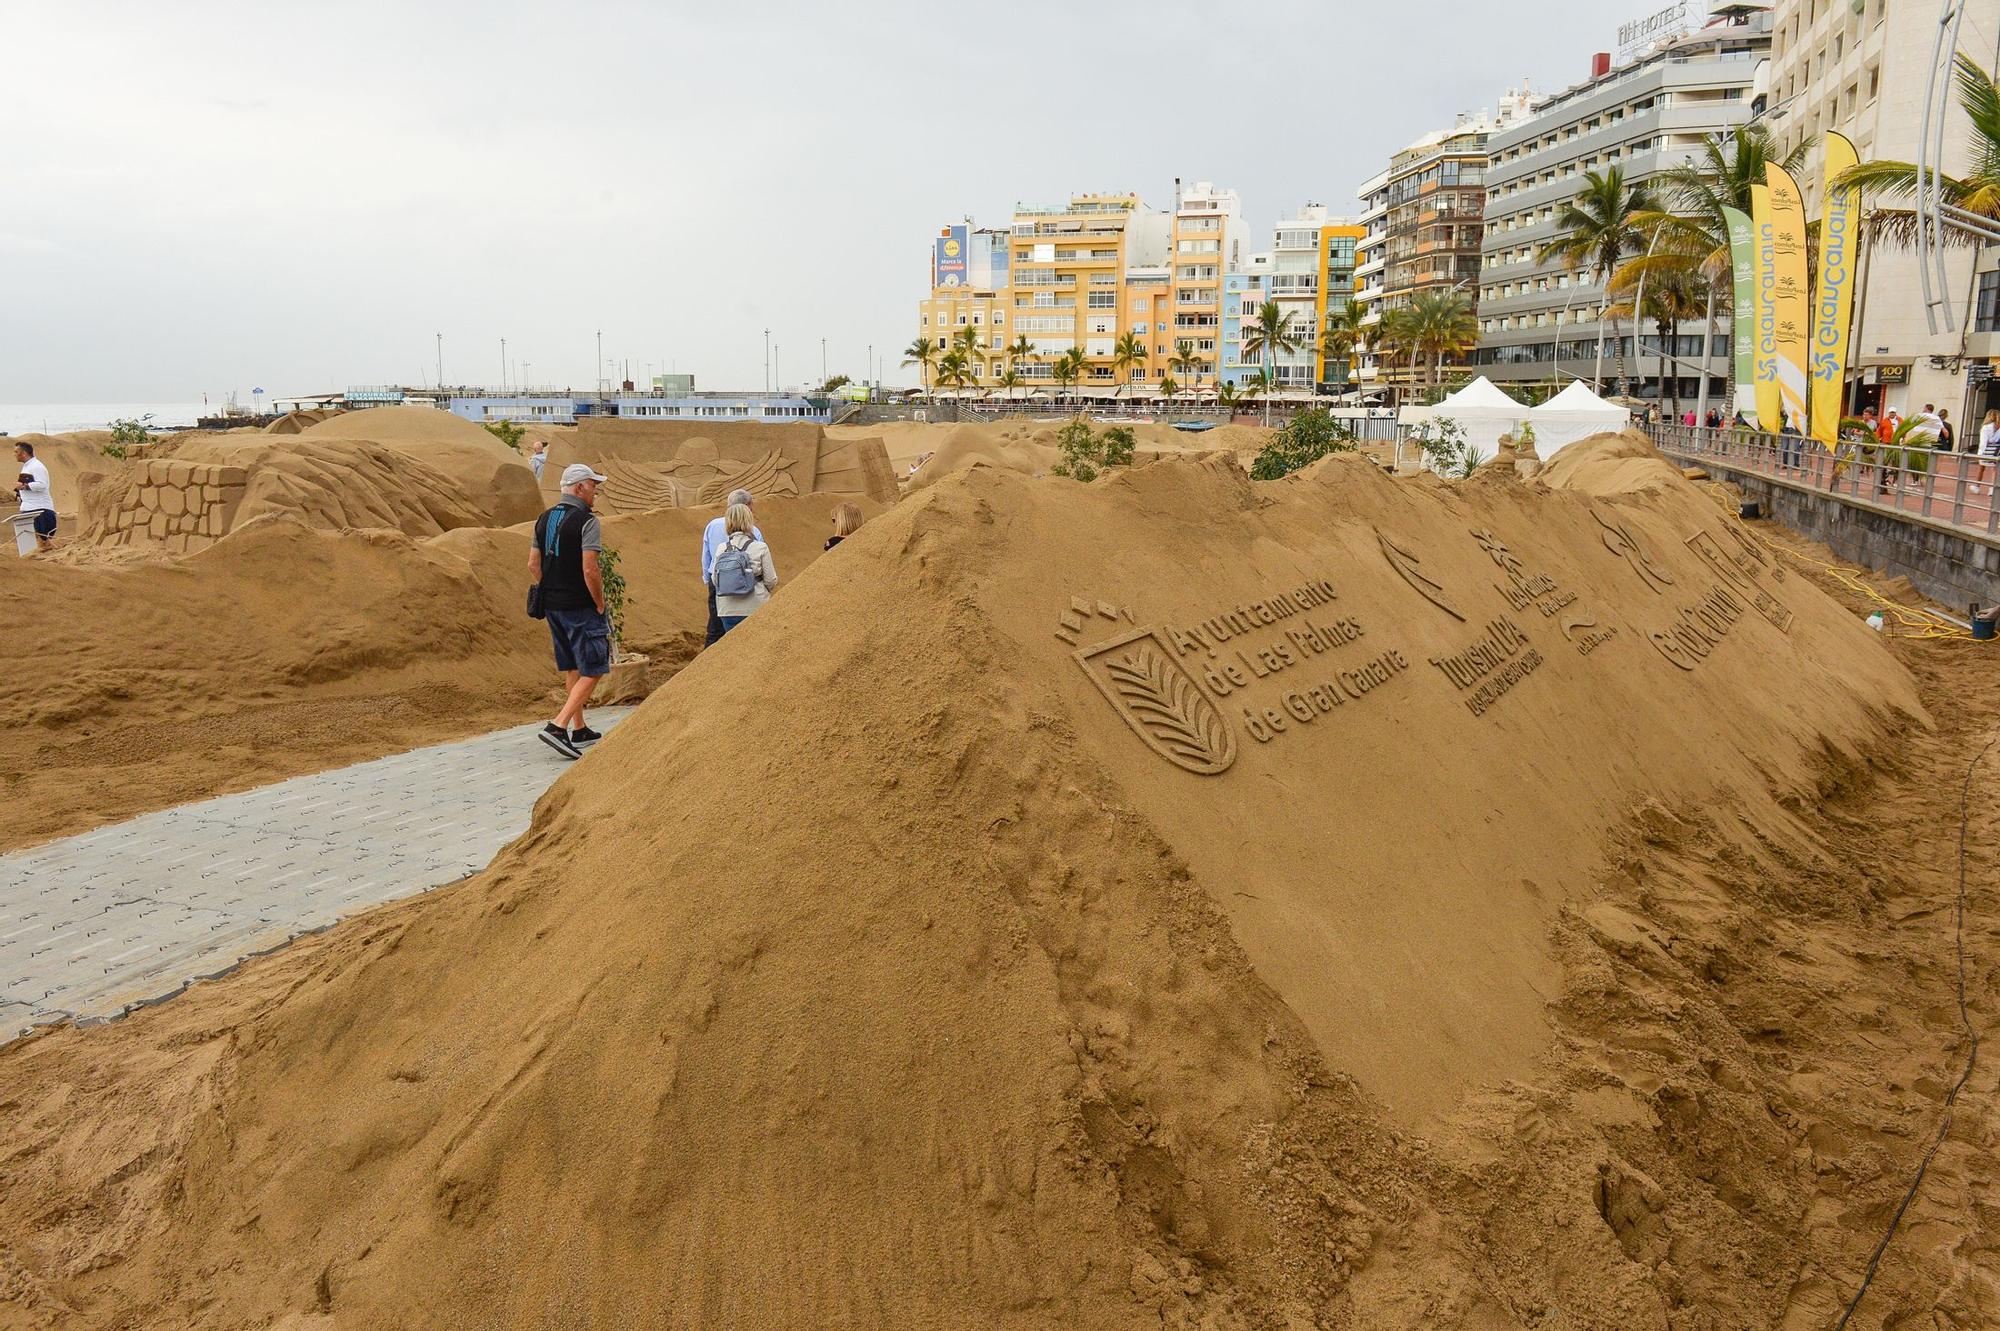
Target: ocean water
(57, 417)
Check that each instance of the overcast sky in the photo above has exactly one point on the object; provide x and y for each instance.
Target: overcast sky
(201, 196)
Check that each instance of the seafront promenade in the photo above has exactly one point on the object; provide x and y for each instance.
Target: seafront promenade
(96, 924)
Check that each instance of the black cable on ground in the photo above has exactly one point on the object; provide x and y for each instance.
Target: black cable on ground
(1971, 1053)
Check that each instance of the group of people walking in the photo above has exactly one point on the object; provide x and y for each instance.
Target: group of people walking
(566, 569)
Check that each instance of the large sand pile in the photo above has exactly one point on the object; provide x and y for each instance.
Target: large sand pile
(408, 469)
(1028, 447)
(286, 648)
(1170, 902)
(493, 477)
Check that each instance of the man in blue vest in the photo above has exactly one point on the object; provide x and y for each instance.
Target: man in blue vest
(563, 561)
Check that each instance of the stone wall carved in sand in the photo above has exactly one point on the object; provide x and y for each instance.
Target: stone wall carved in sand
(695, 464)
(181, 505)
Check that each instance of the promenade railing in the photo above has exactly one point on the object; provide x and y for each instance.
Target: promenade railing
(1938, 486)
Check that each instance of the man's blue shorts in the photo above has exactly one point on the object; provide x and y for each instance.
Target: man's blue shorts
(45, 522)
(583, 641)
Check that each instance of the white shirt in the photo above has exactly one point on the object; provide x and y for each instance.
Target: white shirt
(1989, 438)
(36, 496)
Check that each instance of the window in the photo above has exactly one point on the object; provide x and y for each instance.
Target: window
(1986, 313)
(1103, 300)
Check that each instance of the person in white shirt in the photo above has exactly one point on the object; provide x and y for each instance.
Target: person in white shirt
(31, 489)
(1989, 447)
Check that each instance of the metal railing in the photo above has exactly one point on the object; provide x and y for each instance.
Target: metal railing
(1955, 489)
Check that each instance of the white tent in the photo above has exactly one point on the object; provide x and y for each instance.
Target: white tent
(1573, 414)
(1482, 411)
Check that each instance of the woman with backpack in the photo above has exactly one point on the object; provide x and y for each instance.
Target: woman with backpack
(742, 572)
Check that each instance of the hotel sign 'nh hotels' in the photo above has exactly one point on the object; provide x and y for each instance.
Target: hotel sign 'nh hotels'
(1642, 34)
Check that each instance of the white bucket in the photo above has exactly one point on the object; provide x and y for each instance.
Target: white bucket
(24, 534)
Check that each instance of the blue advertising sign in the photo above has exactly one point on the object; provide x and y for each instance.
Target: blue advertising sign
(949, 268)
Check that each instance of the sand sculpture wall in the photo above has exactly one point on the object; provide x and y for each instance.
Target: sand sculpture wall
(694, 464)
(182, 505)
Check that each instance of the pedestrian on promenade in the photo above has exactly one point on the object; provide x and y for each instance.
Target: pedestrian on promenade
(565, 563)
(846, 521)
(1687, 418)
(712, 537)
(1947, 441)
(1714, 418)
(1791, 444)
(538, 457)
(1891, 422)
(1926, 428)
(742, 576)
(1989, 448)
(31, 491)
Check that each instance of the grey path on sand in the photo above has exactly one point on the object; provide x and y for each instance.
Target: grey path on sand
(93, 925)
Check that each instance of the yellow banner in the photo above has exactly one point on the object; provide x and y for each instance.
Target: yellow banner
(1790, 301)
(1764, 315)
(1833, 302)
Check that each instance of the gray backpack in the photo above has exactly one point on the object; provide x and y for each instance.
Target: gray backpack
(735, 571)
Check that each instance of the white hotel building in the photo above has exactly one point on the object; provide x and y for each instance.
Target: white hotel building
(1539, 323)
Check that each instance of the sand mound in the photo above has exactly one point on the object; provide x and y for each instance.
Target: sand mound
(285, 648)
(964, 446)
(1610, 464)
(1061, 908)
(495, 479)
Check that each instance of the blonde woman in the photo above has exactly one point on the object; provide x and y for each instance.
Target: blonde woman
(846, 521)
(1989, 447)
(741, 570)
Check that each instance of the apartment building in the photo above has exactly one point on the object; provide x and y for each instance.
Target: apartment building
(1209, 237)
(1861, 67)
(970, 284)
(1539, 323)
(1309, 267)
(1423, 221)
(1058, 278)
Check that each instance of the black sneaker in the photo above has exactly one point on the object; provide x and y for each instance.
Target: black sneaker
(583, 735)
(557, 738)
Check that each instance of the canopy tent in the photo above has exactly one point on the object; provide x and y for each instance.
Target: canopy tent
(1573, 414)
(1482, 411)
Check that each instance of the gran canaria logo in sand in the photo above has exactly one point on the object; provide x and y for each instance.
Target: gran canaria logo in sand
(1138, 674)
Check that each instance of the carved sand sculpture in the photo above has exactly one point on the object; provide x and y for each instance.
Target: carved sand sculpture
(693, 464)
(1175, 901)
(408, 469)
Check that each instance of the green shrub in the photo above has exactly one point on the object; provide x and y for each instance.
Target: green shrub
(1305, 439)
(128, 432)
(1085, 455)
(507, 433)
(614, 593)
(1445, 449)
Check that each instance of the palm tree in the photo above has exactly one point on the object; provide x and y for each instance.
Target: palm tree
(1168, 388)
(1259, 385)
(1009, 381)
(1272, 332)
(952, 369)
(1126, 352)
(1343, 333)
(1597, 231)
(1068, 367)
(1689, 227)
(1673, 296)
(1185, 361)
(1440, 324)
(1977, 193)
(1225, 394)
(1018, 350)
(966, 343)
(922, 353)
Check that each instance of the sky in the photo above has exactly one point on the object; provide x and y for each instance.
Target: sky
(206, 196)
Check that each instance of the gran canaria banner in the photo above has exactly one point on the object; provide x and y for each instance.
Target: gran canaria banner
(1769, 400)
(1790, 303)
(1743, 316)
(1833, 302)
